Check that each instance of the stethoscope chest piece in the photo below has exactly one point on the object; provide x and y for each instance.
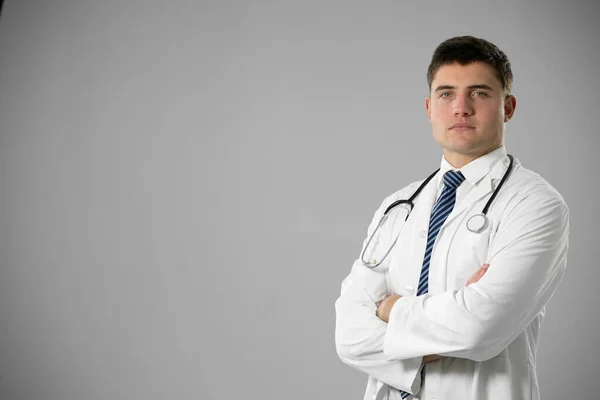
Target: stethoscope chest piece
(477, 223)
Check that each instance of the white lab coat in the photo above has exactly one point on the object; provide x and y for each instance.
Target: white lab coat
(487, 331)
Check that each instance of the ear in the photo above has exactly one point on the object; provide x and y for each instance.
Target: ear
(510, 104)
(428, 107)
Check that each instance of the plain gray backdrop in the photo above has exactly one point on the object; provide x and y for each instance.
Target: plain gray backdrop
(185, 184)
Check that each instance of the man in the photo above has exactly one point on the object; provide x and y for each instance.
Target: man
(454, 310)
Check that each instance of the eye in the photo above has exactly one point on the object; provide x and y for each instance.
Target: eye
(480, 94)
(444, 95)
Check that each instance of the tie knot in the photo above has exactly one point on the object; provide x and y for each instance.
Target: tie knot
(453, 179)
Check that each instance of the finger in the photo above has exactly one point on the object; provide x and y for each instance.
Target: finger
(478, 274)
(481, 272)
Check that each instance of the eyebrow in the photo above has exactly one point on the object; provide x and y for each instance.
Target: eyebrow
(478, 86)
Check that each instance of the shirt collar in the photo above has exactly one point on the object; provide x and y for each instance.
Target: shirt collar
(476, 169)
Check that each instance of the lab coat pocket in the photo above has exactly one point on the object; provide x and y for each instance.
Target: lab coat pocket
(473, 253)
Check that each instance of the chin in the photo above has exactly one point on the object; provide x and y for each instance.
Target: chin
(461, 147)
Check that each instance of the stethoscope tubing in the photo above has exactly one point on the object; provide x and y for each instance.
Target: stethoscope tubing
(410, 205)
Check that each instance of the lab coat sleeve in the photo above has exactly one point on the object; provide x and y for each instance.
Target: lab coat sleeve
(359, 333)
(527, 260)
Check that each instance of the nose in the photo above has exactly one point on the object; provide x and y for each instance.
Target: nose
(462, 106)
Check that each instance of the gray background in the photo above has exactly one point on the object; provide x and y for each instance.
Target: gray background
(184, 184)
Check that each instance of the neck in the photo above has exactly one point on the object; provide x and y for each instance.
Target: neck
(459, 160)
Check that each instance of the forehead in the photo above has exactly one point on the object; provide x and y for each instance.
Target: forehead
(466, 75)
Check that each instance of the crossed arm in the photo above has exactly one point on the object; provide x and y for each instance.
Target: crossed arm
(385, 306)
(390, 337)
(361, 325)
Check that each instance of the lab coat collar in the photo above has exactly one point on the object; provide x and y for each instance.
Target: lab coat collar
(475, 170)
(480, 173)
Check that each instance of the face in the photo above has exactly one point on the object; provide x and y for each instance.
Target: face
(467, 110)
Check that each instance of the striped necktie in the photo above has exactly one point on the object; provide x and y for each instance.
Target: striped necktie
(442, 208)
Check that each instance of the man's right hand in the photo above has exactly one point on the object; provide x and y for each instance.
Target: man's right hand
(474, 278)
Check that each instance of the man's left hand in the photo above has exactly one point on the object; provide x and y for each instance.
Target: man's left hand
(385, 307)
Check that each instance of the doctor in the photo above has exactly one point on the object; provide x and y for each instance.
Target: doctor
(451, 313)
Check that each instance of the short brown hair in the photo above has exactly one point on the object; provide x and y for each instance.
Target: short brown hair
(468, 49)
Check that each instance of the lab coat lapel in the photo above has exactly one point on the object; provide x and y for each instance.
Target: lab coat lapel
(484, 187)
(419, 217)
(424, 203)
(481, 189)
(419, 222)
(422, 213)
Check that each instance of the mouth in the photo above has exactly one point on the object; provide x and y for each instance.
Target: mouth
(461, 127)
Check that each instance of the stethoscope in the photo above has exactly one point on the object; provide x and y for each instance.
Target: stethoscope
(476, 224)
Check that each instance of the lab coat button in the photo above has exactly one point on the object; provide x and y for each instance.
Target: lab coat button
(423, 234)
(409, 290)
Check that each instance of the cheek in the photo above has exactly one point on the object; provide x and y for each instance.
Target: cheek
(495, 118)
(439, 118)
(441, 111)
(493, 114)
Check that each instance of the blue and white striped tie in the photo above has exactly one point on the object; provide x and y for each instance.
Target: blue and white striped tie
(442, 208)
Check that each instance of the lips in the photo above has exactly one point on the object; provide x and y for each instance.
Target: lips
(462, 125)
